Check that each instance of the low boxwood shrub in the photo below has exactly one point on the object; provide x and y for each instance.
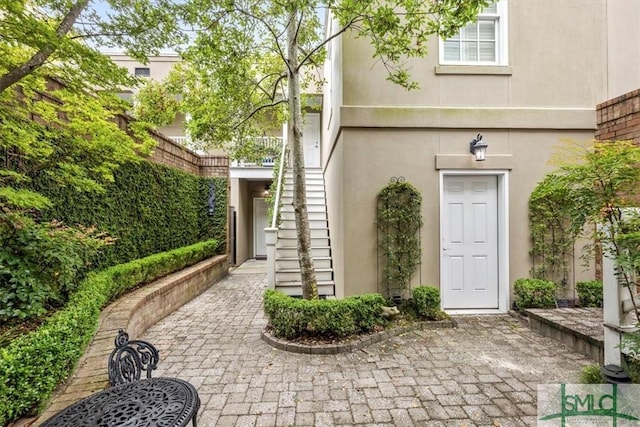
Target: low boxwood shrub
(293, 318)
(534, 293)
(590, 293)
(426, 300)
(32, 365)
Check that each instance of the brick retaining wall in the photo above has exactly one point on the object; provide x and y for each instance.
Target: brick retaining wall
(134, 312)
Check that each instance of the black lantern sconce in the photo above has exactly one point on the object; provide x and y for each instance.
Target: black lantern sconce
(478, 148)
(212, 199)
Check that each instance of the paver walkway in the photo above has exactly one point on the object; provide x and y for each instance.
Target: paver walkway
(483, 373)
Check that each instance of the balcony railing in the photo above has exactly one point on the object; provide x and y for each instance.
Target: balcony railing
(270, 144)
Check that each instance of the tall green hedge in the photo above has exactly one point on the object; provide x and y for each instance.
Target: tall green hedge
(148, 208)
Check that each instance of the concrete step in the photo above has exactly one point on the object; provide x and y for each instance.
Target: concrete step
(309, 187)
(311, 200)
(292, 232)
(291, 242)
(287, 194)
(309, 172)
(292, 252)
(313, 216)
(293, 274)
(294, 263)
(288, 207)
(295, 288)
(314, 224)
(579, 328)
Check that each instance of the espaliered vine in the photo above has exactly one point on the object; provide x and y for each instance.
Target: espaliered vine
(399, 221)
(555, 221)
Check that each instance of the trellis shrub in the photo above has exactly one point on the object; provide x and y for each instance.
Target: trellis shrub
(293, 318)
(590, 293)
(534, 293)
(32, 365)
(398, 217)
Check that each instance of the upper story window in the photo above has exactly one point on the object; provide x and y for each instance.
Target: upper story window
(483, 42)
(142, 72)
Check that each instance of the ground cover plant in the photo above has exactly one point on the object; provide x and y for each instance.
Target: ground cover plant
(33, 364)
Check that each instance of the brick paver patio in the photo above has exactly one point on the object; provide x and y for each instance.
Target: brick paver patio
(482, 373)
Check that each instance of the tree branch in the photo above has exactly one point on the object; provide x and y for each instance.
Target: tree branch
(40, 57)
(257, 110)
(353, 21)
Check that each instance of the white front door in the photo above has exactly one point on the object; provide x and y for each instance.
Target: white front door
(311, 140)
(260, 222)
(469, 259)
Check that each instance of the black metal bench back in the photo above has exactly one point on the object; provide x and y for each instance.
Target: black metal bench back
(130, 358)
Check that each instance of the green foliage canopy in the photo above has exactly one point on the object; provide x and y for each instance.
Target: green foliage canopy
(57, 106)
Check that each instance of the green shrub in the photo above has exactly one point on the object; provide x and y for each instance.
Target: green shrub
(32, 365)
(534, 293)
(590, 293)
(148, 208)
(427, 301)
(292, 318)
(632, 366)
(40, 264)
(591, 374)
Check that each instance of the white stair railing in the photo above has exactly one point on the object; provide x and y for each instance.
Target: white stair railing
(271, 233)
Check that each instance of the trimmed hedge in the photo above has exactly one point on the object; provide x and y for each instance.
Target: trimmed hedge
(293, 318)
(148, 208)
(426, 300)
(590, 293)
(32, 365)
(534, 293)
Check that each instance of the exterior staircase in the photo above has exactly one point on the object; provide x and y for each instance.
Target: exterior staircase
(287, 268)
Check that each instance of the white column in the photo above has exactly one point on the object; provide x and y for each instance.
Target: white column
(271, 237)
(611, 312)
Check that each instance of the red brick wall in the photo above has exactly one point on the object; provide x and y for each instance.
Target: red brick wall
(170, 153)
(619, 118)
(167, 152)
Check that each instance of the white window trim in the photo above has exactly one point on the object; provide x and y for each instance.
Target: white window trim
(502, 39)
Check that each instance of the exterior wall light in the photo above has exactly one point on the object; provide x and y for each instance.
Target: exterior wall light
(478, 148)
(211, 202)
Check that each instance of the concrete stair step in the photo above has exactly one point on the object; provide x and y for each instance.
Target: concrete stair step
(293, 274)
(288, 194)
(288, 207)
(292, 232)
(313, 200)
(291, 242)
(309, 187)
(326, 288)
(292, 252)
(314, 216)
(293, 263)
